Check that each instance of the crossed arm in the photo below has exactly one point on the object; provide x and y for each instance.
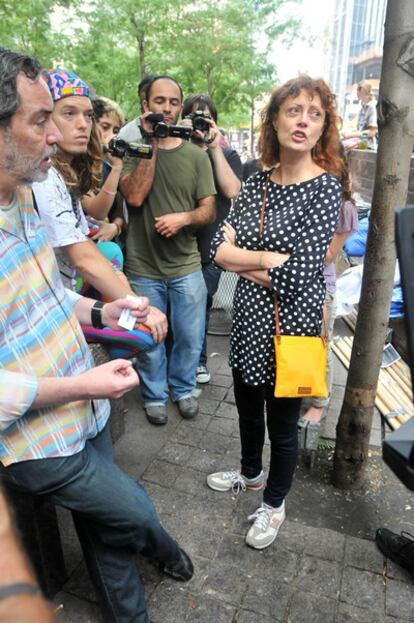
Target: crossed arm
(252, 265)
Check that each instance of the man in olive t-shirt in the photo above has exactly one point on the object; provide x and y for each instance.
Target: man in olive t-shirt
(169, 197)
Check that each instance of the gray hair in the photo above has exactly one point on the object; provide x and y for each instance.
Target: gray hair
(11, 65)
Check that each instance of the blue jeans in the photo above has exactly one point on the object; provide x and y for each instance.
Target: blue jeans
(184, 300)
(114, 518)
(211, 276)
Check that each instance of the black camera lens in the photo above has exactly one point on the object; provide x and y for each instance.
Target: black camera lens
(201, 123)
(155, 117)
(161, 130)
(117, 147)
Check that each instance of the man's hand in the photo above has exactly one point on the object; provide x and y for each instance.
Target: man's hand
(146, 125)
(110, 380)
(139, 308)
(170, 224)
(157, 322)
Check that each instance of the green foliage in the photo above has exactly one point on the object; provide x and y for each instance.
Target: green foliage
(210, 46)
(25, 26)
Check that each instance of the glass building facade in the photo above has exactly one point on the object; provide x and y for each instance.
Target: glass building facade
(357, 33)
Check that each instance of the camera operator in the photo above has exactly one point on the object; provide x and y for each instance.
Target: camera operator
(199, 111)
(104, 206)
(168, 197)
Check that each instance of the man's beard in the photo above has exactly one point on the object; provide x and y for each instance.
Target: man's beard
(21, 166)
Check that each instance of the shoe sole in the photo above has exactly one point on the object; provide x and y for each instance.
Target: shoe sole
(257, 487)
(269, 542)
(157, 422)
(260, 547)
(188, 416)
(202, 381)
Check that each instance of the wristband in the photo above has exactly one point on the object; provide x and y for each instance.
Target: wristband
(96, 315)
(111, 193)
(19, 588)
(119, 229)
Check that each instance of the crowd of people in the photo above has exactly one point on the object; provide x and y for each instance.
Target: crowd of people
(88, 230)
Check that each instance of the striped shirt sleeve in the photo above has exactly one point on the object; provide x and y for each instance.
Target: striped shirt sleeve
(17, 394)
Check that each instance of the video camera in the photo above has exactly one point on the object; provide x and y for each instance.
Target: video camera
(398, 448)
(199, 121)
(160, 129)
(119, 148)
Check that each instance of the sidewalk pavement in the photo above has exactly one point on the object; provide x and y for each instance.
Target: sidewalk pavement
(324, 566)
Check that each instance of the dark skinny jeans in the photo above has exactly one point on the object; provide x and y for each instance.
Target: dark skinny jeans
(282, 426)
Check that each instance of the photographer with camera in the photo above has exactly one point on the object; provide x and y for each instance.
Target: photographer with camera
(104, 206)
(200, 112)
(169, 197)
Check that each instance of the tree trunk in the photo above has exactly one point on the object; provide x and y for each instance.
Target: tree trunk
(141, 51)
(140, 38)
(396, 124)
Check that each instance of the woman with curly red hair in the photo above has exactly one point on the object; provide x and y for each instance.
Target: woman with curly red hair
(278, 251)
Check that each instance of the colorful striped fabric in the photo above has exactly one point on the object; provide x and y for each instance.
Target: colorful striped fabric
(123, 343)
(39, 337)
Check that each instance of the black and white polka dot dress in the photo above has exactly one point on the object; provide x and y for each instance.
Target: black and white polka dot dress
(300, 219)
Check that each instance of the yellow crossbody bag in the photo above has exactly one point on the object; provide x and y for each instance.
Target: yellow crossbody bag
(300, 363)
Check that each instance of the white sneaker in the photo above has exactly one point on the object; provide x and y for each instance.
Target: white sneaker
(267, 521)
(224, 481)
(203, 375)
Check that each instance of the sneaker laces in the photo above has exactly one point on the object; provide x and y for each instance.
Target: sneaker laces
(237, 481)
(261, 517)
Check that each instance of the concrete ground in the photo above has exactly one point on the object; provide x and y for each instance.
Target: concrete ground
(324, 566)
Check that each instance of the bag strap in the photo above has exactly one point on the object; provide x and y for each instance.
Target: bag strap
(262, 209)
(324, 336)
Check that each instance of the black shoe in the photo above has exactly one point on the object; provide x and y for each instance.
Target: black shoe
(398, 547)
(188, 407)
(156, 414)
(183, 569)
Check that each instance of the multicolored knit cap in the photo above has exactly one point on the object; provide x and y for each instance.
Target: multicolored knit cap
(63, 83)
